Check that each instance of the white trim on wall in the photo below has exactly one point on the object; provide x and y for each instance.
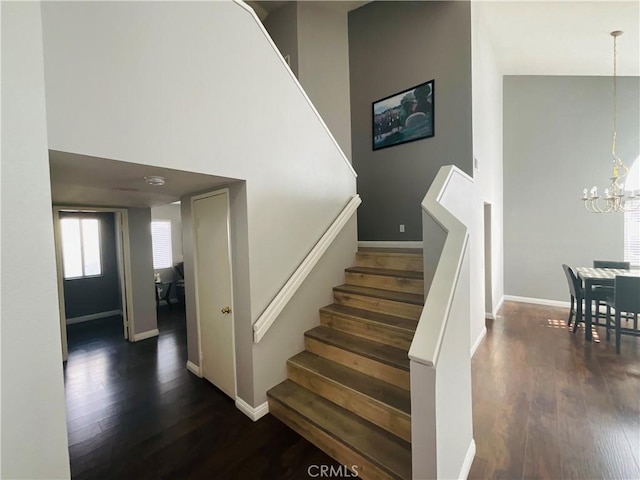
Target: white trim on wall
(288, 290)
(254, 413)
(537, 301)
(468, 460)
(193, 368)
(478, 341)
(390, 244)
(144, 335)
(498, 306)
(93, 316)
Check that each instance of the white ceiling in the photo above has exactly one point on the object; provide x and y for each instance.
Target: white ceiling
(563, 37)
(80, 180)
(264, 7)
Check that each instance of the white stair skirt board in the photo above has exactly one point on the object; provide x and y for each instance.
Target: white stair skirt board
(389, 244)
(93, 316)
(478, 341)
(468, 460)
(144, 335)
(193, 368)
(538, 301)
(254, 413)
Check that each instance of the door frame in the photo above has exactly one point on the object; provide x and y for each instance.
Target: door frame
(225, 192)
(123, 258)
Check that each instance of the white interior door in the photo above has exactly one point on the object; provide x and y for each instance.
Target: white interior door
(213, 290)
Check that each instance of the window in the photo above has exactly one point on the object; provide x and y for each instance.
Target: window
(632, 217)
(161, 241)
(81, 247)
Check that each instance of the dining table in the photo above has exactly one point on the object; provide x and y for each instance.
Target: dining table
(591, 277)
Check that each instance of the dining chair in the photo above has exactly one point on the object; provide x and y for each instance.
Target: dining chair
(626, 298)
(600, 293)
(577, 295)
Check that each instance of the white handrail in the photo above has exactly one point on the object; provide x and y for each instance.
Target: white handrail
(249, 10)
(285, 294)
(425, 347)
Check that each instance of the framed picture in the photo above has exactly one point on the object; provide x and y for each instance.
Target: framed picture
(404, 117)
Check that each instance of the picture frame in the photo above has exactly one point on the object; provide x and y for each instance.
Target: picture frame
(404, 117)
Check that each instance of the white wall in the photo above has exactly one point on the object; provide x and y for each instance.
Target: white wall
(158, 101)
(487, 149)
(33, 429)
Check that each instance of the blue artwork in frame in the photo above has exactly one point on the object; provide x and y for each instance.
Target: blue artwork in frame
(404, 117)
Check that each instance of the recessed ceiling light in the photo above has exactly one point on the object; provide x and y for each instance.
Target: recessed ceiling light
(155, 180)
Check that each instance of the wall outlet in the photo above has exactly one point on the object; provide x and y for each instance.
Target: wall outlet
(401, 228)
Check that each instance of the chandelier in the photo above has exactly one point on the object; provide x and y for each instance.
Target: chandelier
(614, 198)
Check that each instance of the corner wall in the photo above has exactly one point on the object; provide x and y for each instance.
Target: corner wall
(33, 429)
(488, 174)
(557, 141)
(394, 46)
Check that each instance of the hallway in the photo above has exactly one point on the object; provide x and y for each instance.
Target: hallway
(135, 412)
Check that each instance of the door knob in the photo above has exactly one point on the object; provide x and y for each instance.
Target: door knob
(226, 310)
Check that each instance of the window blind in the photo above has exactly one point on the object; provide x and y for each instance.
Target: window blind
(161, 243)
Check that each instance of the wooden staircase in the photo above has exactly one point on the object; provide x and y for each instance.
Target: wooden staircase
(348, 392)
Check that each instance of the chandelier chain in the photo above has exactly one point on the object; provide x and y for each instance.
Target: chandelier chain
(615, 94)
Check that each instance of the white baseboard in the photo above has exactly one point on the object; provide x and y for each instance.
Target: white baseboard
(193, 368)
(93, 316)
(468, 460)
(490, 316)
(390, 244)
(144, 335)
(538, 301)
(476, 344)
(254, 413)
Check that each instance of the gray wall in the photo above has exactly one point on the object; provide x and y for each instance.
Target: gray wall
(85, 296)
(394, 46)
(315, 34)
(323, 53)
(282, 26)
(557, 140)
(143, 294)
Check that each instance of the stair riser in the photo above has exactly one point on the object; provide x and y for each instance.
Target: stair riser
(397, 284)
(381, 371)
(391, 262)
(377, 413)
(368, 330)
(327, 443)
(389, 307)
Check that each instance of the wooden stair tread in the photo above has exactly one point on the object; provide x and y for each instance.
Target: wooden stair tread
(387, 272)
(412, 298)
(390, 321)
(386, 451)
(383, 392)
(392, 356)
(392, 251)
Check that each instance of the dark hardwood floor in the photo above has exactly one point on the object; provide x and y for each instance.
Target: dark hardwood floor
(548, 405)
(134, 411)
(545, 404)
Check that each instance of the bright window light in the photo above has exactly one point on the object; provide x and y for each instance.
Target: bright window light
(81, 247)
(161, 243)
(632, 217)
